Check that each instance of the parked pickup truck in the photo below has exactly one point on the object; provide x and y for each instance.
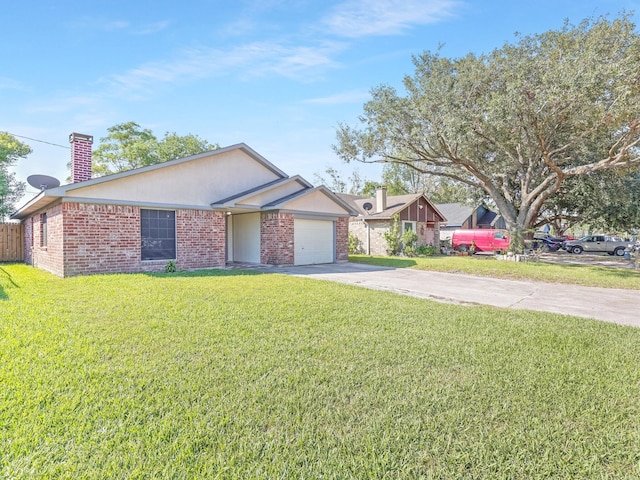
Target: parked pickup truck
(596, 243)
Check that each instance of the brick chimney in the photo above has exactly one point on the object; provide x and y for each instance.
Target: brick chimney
(381, 199)
(80, 157)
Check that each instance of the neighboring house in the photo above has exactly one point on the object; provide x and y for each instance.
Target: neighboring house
(375, 217)
(204, 211)
(460, 216)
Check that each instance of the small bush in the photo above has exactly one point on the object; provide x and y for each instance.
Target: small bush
(170, 267)
(392, 237)
(425, 250)
(409, 241)
(354, 245)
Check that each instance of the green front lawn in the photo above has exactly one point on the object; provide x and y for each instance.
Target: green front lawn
(232, 374)
(590, 276)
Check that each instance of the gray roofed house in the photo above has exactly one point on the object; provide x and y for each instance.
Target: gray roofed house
(229, 205)
(375, 216)
(460, 216)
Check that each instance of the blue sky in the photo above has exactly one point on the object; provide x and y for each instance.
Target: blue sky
(277, 75)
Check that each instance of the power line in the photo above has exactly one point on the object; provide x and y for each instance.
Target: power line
(36, 140)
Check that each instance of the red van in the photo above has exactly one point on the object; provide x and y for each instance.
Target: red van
(484, 240)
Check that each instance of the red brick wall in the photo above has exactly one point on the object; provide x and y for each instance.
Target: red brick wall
(200, 239)
(48, 258)
(342, 239)
(106, 239)
(28, 240)
(101, 239)
(276, 238)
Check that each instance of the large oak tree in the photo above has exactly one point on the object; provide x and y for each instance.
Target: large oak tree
(517, 122)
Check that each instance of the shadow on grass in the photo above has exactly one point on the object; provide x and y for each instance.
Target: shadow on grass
(4, 274)
(209, 273)
(391, 262)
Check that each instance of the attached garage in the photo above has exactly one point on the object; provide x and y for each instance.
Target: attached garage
(314, 241)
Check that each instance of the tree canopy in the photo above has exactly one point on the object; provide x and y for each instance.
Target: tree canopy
(516, 123)
(11, 190)
(129, 146)
(605, 200)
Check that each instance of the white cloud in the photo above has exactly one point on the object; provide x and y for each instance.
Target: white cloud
(115, 25)
(151, 28)
(125, 26)
(254, 59)
(358, 18)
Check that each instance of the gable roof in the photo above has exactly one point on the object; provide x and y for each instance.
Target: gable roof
(49, 196)
(488, 219)
(238, 198)
(244, 179)
(456, 213)
(284, 194)
(395, 204)
(288, 201)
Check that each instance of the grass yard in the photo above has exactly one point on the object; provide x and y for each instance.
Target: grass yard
(589, 276)
(240, 375)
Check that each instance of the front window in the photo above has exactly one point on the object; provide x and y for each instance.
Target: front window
(408, 227)
(158, 232)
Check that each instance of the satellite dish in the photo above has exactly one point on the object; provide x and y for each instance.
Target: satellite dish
(43, 182)
(367, 206)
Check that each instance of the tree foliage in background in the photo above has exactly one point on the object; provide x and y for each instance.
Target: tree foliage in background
(11, 190)
(517, 123)
(605, 201)
(332, 179)
(129, 146)
(401, 179)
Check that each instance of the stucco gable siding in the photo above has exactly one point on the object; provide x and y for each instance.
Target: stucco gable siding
(197, 182)
(273, 194)
(315, 202)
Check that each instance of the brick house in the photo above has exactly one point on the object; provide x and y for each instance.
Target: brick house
(229, 205)
(374, 217)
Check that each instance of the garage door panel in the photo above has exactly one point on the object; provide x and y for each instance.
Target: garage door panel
(314, 241)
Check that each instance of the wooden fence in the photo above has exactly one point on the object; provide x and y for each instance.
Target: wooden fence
(11, 242)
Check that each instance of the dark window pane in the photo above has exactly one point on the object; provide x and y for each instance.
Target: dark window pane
(158, 237)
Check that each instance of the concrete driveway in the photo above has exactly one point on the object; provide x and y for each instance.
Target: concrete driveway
(607, 304)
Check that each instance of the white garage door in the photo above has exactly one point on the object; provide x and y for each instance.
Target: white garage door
(313, 241)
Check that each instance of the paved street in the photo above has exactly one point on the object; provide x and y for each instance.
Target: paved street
(610, 305)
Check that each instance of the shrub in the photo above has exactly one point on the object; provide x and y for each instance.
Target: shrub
(425, 250)
(354, 245)
(392, 237)
(409, 241)
(170, 267)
